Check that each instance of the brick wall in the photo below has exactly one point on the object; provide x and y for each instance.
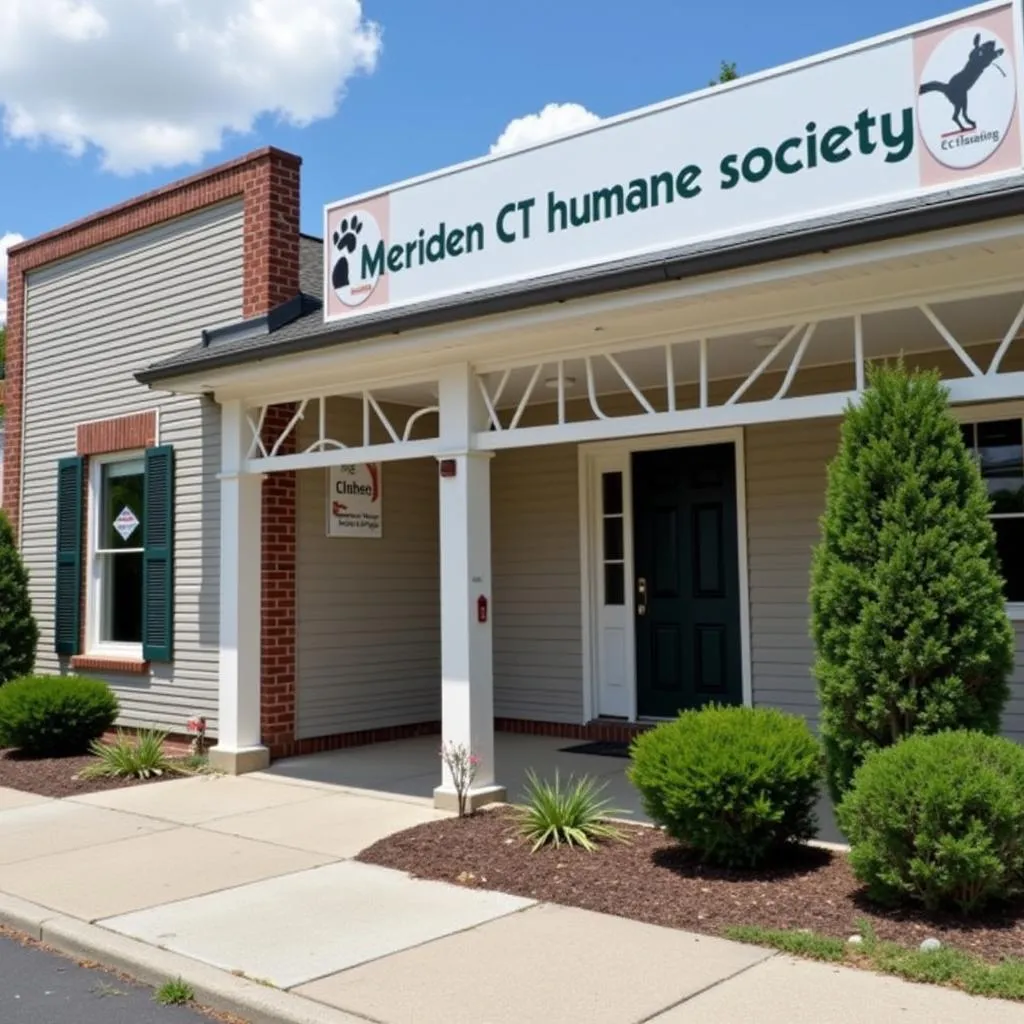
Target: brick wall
(277, 616)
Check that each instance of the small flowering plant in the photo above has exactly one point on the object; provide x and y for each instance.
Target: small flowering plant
(462, 765)
(196, 728)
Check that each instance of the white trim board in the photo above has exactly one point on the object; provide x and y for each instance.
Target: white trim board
(615, 456)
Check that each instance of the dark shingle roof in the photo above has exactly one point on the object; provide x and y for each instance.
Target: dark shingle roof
(301, 327)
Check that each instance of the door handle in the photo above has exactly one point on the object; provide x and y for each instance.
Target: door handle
(641, 596)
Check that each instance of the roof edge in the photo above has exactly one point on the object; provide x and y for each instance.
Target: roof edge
(952, 212)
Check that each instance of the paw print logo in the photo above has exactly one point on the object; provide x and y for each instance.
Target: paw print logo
(345, 238)
(354, 275)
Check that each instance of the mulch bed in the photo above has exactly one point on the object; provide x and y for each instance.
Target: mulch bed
(56, 776)
(653, 880)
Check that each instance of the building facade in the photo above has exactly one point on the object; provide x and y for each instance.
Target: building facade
(329, 492)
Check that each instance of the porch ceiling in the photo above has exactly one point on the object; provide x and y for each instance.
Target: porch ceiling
(972, 278)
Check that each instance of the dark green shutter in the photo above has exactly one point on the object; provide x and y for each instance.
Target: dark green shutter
(158, 557)
(67, 614)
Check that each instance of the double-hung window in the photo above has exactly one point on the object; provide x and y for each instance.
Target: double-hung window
(118, 489)
(998, 446)
(115, 537)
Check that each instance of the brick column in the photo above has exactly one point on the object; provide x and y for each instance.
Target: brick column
(278, 626)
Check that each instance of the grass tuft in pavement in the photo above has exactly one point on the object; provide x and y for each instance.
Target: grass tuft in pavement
(174, 993)
(950, 967)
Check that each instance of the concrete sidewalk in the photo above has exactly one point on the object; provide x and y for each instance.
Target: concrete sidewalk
(246, 887)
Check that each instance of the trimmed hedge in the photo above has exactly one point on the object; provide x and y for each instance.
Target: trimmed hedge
(53, 716)
(939, 820)
(737, 785)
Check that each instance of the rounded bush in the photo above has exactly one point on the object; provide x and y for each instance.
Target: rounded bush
(736, 785)
(939, 820)
(51, 716)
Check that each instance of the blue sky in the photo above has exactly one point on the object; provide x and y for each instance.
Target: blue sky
(107, 102)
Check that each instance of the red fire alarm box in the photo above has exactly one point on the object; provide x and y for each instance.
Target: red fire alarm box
(481, 609)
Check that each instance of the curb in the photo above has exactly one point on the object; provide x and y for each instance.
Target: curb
(214, 988)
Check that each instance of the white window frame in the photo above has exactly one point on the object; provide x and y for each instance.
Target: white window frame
(975, 414)
(94, 646)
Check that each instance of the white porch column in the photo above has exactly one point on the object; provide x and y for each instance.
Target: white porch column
(238, 747)
(467, 674)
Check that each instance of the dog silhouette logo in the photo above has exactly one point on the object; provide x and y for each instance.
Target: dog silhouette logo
(354, 233)
(966, 97)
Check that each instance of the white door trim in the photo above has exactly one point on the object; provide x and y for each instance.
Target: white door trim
(615, 456)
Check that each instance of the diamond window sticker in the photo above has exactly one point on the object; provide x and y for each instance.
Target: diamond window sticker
(126, 523)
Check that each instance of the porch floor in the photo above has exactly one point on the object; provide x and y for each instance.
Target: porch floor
(412, 768)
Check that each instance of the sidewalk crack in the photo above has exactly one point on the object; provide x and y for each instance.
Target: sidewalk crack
(707, 988)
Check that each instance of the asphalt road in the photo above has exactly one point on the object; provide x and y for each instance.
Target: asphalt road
(40, 987)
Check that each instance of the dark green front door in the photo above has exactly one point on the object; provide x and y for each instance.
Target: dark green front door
(687, 579)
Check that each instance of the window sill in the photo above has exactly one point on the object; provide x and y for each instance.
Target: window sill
(110, 663)
(1015, 611)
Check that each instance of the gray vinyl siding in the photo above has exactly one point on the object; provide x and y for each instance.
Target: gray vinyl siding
(368, 610)
(535, 540)
(92, 321)
(785, 477)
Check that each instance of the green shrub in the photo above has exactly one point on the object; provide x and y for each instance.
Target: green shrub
(131, 757)
(18, 632)
(572, 814)
(736, 785)
(51, 716)
(940, 820)
(907, 607)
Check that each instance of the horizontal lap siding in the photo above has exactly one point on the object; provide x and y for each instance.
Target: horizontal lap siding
(785, 467)
(92, 322)
(369, 613)
(538, 646)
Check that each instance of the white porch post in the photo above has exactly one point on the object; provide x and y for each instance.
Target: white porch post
(467, 675)
(238, 747)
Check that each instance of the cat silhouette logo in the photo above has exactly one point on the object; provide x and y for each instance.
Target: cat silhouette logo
(966, 97)
(357, 231)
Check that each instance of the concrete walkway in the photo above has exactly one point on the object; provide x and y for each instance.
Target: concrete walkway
(246, 887)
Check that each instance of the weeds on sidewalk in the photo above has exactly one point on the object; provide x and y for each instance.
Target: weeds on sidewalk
(174, 993)
(946, 966)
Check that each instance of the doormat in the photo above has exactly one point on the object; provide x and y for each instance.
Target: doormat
(602, 748)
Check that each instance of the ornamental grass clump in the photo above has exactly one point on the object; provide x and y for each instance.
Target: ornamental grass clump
(131, 757)
(907, 607)
(939, 820)
(735, 785)
(573, 814)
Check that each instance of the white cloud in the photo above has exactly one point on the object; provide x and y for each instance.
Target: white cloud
(555, 119)
(158, 82)
(7, 239)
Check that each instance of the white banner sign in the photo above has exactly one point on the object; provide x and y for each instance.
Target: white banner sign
(908, 113)
(354, 503)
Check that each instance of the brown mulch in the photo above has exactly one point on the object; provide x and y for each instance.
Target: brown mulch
(56, 776)
(652, 879)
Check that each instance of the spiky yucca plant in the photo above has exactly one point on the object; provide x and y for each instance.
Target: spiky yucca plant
(573, 815)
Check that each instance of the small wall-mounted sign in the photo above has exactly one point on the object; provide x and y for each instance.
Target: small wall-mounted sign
(354, 502)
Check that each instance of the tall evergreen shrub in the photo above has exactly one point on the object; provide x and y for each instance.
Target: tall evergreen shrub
(18, 632)
(907, 606)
